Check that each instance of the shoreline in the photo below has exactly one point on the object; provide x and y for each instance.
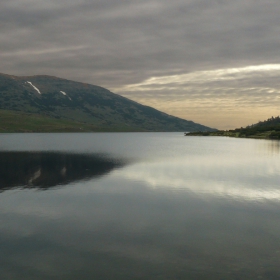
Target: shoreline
(269, 135)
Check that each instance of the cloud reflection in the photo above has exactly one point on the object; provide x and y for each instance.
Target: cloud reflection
(222, 177)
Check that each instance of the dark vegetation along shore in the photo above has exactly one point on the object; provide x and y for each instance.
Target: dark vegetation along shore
(51, 104)
(269, 129)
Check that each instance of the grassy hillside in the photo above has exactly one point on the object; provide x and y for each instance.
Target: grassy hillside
(61, 99)
(11, 121)
(268, 129)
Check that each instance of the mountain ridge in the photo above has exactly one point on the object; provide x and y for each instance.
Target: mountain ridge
(84, 103)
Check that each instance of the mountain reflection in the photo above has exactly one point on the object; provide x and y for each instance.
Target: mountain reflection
(43, 170)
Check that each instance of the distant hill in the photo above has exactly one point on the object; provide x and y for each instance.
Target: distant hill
(273, 122)
(268, 129)
(65, 105)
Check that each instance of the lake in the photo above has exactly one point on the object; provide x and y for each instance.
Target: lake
(138, 206)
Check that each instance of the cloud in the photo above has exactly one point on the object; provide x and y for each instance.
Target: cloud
(203, 77)
(119, 43)
(144, 36)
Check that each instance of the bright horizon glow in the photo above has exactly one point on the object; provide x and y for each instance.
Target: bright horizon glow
(221, 98)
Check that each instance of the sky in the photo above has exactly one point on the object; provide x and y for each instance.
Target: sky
(215, 62)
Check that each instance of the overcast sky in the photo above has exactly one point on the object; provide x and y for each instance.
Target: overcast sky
(216, 62)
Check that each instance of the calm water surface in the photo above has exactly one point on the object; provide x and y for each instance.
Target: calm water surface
(138, 206)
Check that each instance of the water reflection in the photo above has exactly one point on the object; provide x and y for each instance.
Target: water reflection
(44, 170)
(187, 208)
(274, 147)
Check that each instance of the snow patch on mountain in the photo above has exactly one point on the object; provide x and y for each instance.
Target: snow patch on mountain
(34, 87)
(64, 93)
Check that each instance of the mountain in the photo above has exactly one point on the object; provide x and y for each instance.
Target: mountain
(78, 106)
(268, 129)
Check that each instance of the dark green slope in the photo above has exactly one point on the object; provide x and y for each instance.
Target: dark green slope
(63, 99)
